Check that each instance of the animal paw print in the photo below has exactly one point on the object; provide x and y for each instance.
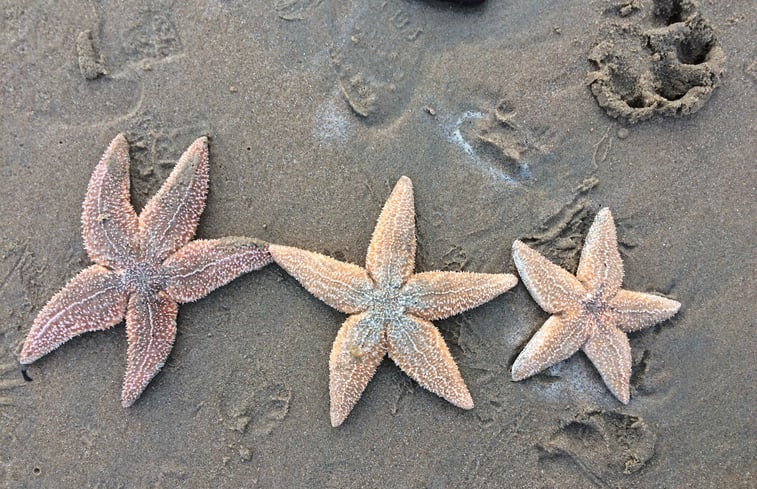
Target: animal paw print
(498, 143)
(154, 148)
(154, 37)
(604, 446)
(661, 59)
(260, 414)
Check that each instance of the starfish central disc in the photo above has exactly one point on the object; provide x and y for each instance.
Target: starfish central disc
(387, 303)
(144, 278)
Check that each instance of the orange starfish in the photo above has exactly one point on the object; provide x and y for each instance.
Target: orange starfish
(391, 308)
(590, 310)
(144, 266)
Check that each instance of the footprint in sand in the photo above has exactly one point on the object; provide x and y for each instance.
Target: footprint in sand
(43, 84)
(295, 9)
(659, 57)
(376, 58)
(10, 379)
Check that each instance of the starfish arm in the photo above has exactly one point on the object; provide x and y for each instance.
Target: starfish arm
(109, 223)
(204, 265)
(437, 295)
(609, 351)
(170, 218)
(150, 330)
(552, 287)
(559, 338)
(418, 348)
(600, 266)
(635, 310)
(391, 253)
(358, 350)
(93, 300)
(343, 286)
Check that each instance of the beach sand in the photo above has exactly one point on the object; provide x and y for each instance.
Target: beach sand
(314, 110)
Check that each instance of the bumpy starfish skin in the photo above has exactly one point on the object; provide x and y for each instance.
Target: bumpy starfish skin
(144, 266)
(590, 310)
(391, 308)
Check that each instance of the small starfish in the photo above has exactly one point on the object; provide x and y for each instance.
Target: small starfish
(589, 311)
(144, 266)
(391, 308)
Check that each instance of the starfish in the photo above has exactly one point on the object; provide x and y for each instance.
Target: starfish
(144, 266)
(391, 308)
(589, 311)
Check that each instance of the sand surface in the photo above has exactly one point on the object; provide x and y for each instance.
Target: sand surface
(315, 109)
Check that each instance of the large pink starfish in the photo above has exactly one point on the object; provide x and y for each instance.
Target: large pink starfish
(144, 266)
(391, 308)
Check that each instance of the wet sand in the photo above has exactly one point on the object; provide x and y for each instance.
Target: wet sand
(314, 110)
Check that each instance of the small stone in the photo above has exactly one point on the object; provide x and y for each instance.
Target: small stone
(245, 454)
(622, 133)
(240, 424)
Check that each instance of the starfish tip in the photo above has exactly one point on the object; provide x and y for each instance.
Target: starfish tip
(337, 419)
(198, 145)
(28, 354)
(520, 250)
(403, 182)
(119, 145)
(404, 185)
(120, 139)
(604, 215)
(508, 281)
(519, 371)
(466, 402)
(624, 397)
(23, 357)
